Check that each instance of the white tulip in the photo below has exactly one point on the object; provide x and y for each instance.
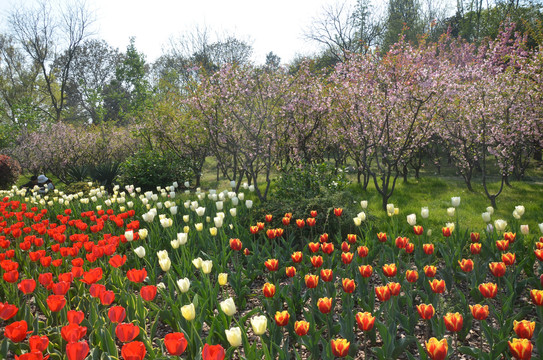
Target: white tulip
(412, 219)
(424, 212)
(455, 201)
(183, 284)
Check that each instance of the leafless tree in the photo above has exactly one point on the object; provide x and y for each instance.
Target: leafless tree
(50, 38)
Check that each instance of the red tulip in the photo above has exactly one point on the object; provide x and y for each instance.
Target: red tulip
(107, 297)
(27, 286)
(466, 265)
(38, 343)
(497, 268)
(32, 355)
(430, 271)
(390, 270)
(383, 293)
(524, 329)
(348, 285)
(475, 237)
(346, 257)
(175, 343)
(437, 349)
(327, 248)
(311, 281)
(475, 248)
(213, 352)
(537, 297)
(411, 276)
(56, 302)
(521, 349)
(60, 288)
(428, 249)
(16, 331)
(418, 230)
(7, 311)
(394, 288)
(77, 350)
(362, 251)
(314, 247)
(136, 276)
(316, 261)
(382, 237)
(351, 238)
(73, 332)
(117, 261)
(133, 351)
(116, 314)
(126, 332)
(488, 290)
(92, 276)
(148, 293)
(338, 211)
(75, 317)
(508, 259)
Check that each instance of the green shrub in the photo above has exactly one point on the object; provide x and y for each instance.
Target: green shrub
(309, 181)
(9, 171)
(148, 169)
(76, 187)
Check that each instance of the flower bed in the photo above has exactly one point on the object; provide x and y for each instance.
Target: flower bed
(158, 275)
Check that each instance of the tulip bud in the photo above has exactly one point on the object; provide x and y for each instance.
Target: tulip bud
(140, 252)
(188, 312)
(450, 211)
(364, 204)
(233, 336)
(259, 324)
(183, 284)
(223, 279)
(206, 266)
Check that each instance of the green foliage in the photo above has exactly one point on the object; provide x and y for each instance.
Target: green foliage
(309, 181)
(313, 187)
(77, 173)
(151, 168)
(9, 171)
(76, 187)
(105, 173)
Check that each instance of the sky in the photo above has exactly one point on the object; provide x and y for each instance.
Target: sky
(276, 26)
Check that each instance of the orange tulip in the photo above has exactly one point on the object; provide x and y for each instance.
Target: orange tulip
(362, 251)
(383, 293)
(300, 223)
(282, 317)
(479, 312)
(327, 275)
(411, 276)
(488, 290)
(311, 281)
(268, 290)
(311, 221)
(502, 245)
(314, 247)
(466, 265)
(290, 271)
(323, 238)
(272, 264)
(235, 244)
(316, 261)
(438, 286)
(260, 225)
(521, 349)
(365, 321)
(327, 248)
(524, 329)
(475, 248)
(268, 217)
(537, 297)
(508, 259)
(539, 254)
(382, 237)
(351, 238)
(301, 327)
(401, 242)
(428, 249)
(285, 221)
(340, 347)
(296, 256)
(390, 270)
(253, 229)
(394, 288)
(324, 305)
(348, 285)
(497, 268)
(453, 321)
(510, 236)
(418, 230)
(437, 349)
(426, 312)
(365, 270)
(430, 271)
(346, 257)
(271, 234)
(338, 211)
(313, 213)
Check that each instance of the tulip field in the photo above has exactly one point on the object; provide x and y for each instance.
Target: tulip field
(179, 275)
